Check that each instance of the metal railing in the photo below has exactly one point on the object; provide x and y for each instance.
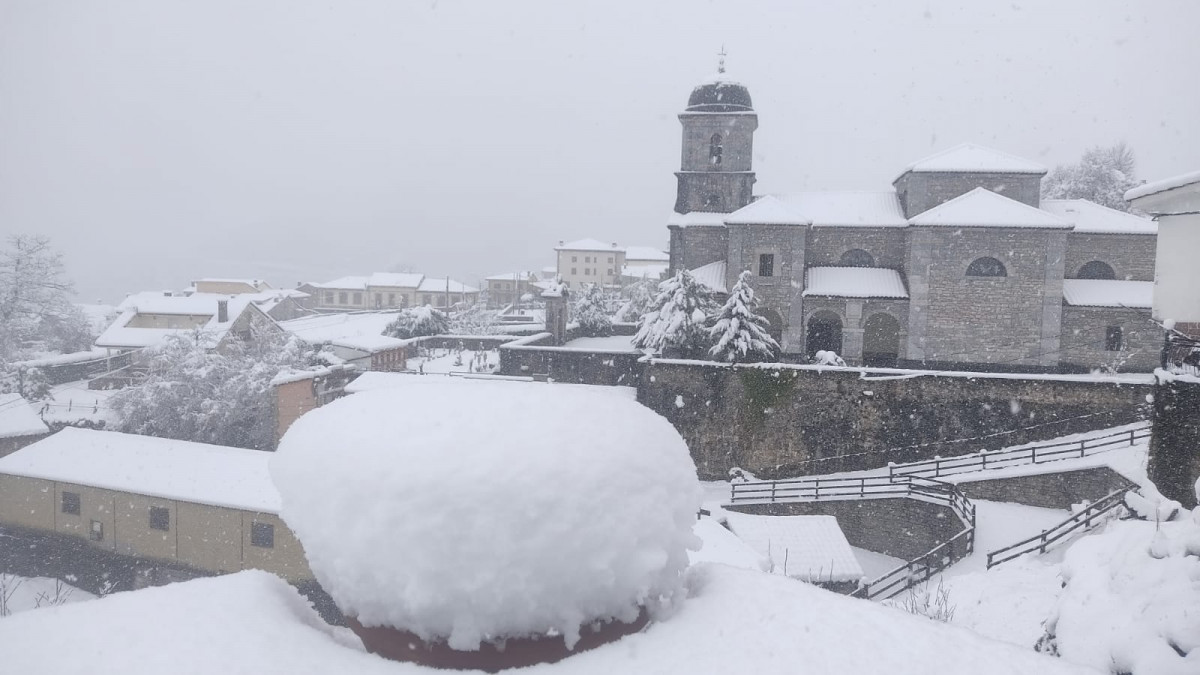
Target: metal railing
(1084, 519)
(1035, 454)
(912, 572)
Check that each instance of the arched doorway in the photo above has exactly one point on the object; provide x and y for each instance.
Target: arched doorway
(824, 333)
(776, 327)
(881, 341)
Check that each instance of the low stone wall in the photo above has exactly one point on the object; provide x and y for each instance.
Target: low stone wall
(535, 357)
(902, 528)
(775, 420)
(1048, 490)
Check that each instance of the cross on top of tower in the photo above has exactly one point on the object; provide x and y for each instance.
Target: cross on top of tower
(721, 60)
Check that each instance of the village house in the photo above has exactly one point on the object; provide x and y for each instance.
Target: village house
(645, 262)
(19, 425)
(354, 338)
(387, 290)
(508, 288)
(147, 319)
(960, 262)
(230, 286)
(589, 261)
(194, 507)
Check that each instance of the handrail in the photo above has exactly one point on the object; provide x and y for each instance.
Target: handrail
(1085, 518)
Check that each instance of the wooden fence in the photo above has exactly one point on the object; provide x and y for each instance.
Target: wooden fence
(1085, 519)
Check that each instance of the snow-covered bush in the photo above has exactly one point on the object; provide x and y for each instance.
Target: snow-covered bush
(418, 322)
(828, 358)
(933, 604)
(475, 320)
(637, 298)
(676, 324)
(740, 332)
(467, 511)
(194, 393)
(29, 382)
(590, 311)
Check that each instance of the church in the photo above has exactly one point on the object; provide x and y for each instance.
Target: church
(960, 264)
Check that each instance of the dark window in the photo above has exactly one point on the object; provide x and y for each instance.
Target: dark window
(329, 297)
(715, 149)
(341, 298)
(160, 518)
(1114, 339)
(96, 533)
(573, 271)
(857, 257)
(574, 259)
(262, 535)
(986, 267)
(70, 503)
(766, 265)
(358, 298)
(1097, 270)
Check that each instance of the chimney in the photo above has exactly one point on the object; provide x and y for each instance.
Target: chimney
(614, 244)
(222, 311)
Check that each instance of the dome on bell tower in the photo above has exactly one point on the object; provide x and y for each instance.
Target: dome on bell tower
(720, 95)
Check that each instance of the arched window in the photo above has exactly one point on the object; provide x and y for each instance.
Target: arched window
(856, 257)
(1097, 270)
(986, 267)
(715, 149)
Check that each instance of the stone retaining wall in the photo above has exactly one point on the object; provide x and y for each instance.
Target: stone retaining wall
(1048, 490)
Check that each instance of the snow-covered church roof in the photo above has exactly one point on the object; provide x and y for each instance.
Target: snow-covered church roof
(848, 208)
(972, 158)
(1108, 293)
(712, 276)
(853, 282)
(983, 208)
(1091, 218)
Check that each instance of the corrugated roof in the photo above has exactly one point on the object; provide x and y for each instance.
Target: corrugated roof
(712, 276)
(972, 158)
(853, 282)
(1092, 218)
(984, 208)
(848, 208)
(1108, 293)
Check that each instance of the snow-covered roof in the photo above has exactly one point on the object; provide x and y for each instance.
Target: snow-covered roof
(121, 335)
(983, 208)
(355, 330)
(588, 245)
(645, 270)
(853, 282)
(972, 158)
(158, 467)
(1092, 218)
(724, 547)
(814, 547)
(1172, 183)
(434, 285)
(767, 211)
(509, 276)
(712, 276)
(1108, 293)
(645, 253)
(256, 283)
(18, 419)
(848, 208)
(351, 283)
(396, 279)
(696, 219)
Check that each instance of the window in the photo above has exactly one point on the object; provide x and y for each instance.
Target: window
(986, 267)
(262, 535)
(96, 531)
(427, 299)
(587, 271)
(766, 265)
(1114, 339)
(329, 297)
(379, 299)
(160, 518)
(342, 298)
(391, 299)
(358, 298)
(716, 149)
(1097, 270)
(856, 257)
(70, 503)
(587, 258)
(610, 271)
(573, 273)
(574, 259)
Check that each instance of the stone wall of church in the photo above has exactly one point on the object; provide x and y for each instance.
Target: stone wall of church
(1130, 255)
(1085, 332)
(887, 245)
(781, 290)
(854, 314)
(920, 192)
(692, 247)
(1013, 320)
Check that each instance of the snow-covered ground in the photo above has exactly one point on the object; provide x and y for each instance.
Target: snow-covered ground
(73, 402)
(20, 594)
(612, 343)
(445, 361)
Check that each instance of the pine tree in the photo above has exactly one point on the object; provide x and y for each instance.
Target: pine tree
(741, 333)
(1103, 175)
(676, 324)
(591, 312)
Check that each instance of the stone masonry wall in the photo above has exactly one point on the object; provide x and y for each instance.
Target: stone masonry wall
(775, 421)
(920, 192)
(903, 528)
(1130, 255)
(1174, 464)
(1048, 490)
(887, 245)
(1084, 333)
(781, 291)
(692, 247)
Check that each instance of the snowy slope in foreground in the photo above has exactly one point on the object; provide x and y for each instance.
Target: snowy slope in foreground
(734, 621)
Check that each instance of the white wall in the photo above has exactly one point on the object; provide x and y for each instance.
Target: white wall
(1177, 269)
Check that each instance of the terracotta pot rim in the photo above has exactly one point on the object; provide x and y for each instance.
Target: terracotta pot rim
(518, 652)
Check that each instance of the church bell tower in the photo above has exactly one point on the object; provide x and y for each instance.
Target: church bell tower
(718, 141)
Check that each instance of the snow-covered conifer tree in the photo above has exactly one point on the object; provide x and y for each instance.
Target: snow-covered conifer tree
(591, 312)
(676, 324)
(741, 333)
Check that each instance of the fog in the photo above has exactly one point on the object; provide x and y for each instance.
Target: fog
(156, 142)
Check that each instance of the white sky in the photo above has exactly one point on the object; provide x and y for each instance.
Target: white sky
(157, 141)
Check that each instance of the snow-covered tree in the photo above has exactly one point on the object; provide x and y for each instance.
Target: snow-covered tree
(475, 320)
(33, 292)
(30, 383)
(1103, 175)
(741, 333)
(637, 299)
(199, 394)
(676, 324)
(591, 312)
(418, 322)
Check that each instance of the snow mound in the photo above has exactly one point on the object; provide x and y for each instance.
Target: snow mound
(468, 511)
